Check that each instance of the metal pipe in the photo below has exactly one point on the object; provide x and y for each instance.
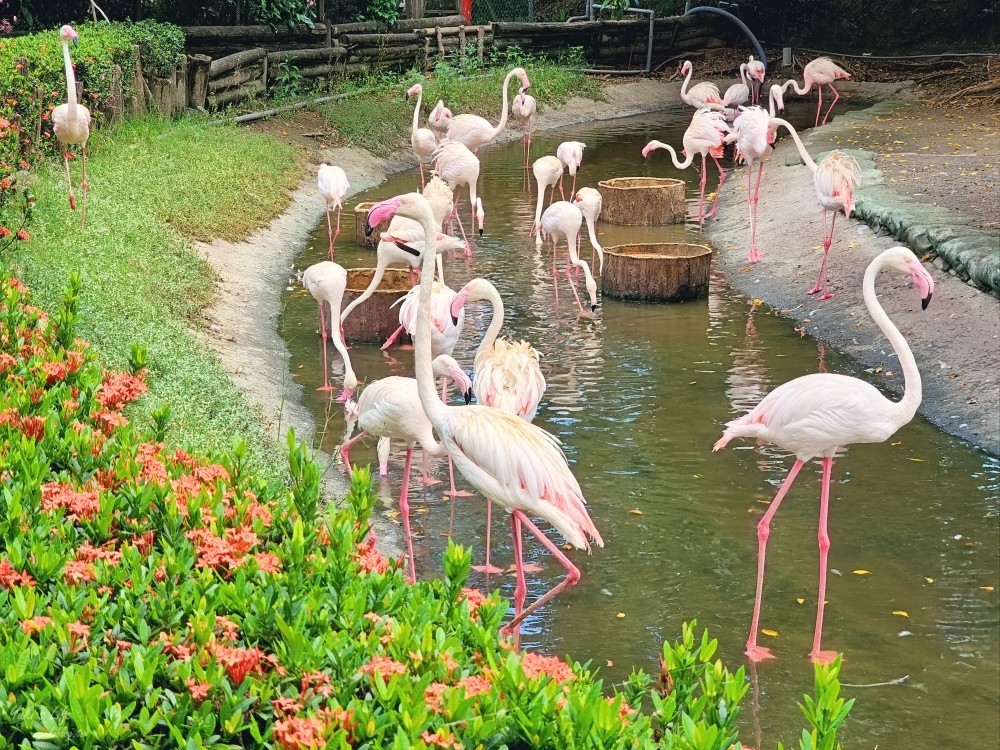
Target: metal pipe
(743, 27)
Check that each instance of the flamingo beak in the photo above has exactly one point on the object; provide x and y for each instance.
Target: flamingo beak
(593, 308)
(923, 281)
(380, 212)
(344, 397)
(456, 307)
(468, 397)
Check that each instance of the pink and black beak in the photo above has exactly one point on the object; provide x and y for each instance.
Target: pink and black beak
(923, 281)
(380, 212)
(456, 306)
(468, 397)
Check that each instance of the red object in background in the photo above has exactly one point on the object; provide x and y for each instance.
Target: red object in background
(467, 10)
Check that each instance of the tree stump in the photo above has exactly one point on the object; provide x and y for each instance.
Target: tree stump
(643, 200)
(657, 272)
(375, 319)
(360, 217)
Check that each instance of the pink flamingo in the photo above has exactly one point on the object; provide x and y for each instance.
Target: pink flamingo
(422, 140)
(390, 408)
(705, 136)
(756, 70)
(440, 196)
(507, 459)
(819, 73)
(820, 414)
(704, 94)
(562, 220)
(326, 282)
(71, 121)
(548, 170)
(506, 373)
(440, 119)
(835, 180)
(523, 111)
(590, 203)
(474, 131)
(753, 133)
(570, 153)
(333, 186)
(458, 166)
(738, 93)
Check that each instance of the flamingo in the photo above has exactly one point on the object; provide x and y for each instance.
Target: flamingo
(390, 408)
(506, 374)
(440, 196)
(753, 133)
(548, 170)
(819, 73)
(819, 415)
(422, 140)
(756, 70)
(71, 121)
(523, 111)
(562, 220)
(507, 459)
(440, 119)
(326, 282)
(738, 93)
(704, 94)
(458, 166)
(835, 180)
(474, 131)
(705, 136)
(590, 203)
(570, 153)
(333, 186)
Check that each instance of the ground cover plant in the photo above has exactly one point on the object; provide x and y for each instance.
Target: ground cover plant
(154, 598)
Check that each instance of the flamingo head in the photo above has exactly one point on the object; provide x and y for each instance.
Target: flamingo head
(520, 73)
(458, 304)
(68, 34)
(778, 97)
(409, 206)
(350, 385)
(414, 89)
(480, 215)
(685, 67)
(445, 366)
(902, 259)
(592, 292)
(650, 147)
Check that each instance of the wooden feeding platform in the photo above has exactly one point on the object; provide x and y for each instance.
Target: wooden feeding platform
(656, 272)
(643, 200)
(375, 319)
(360, 217)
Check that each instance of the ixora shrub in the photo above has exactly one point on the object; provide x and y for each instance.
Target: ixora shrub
(33, 80)
(150, 598)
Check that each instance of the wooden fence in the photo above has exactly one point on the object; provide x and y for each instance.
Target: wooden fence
(214, 75)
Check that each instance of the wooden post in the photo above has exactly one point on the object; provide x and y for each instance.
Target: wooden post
(181, 85)
(481, 34)
(116, 106)
(198, 80)
(461, 44)
(415, 8)
(437, 30)
(427, 54)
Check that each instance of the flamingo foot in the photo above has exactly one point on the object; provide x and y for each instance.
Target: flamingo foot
(758, 654)
(428, 481)
(490, 570)
(527, 568)
(754, 255)
(459, 493)
(823, 657)
(815, 289)
(326, 388)
(827, 295)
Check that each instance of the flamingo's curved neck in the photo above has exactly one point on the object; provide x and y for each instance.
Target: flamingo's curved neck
(433, 408)
(684, 86)
(743, 74)
(673, 157)
(416, 115)
(504, 111)
(338, 343)
(592, 232)
(380, 267)
(70, 81)
(798, 142)
(496, 322)
(540, 203)
(906, 407)
(795, 84)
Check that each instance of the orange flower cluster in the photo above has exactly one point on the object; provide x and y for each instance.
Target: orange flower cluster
(472, 685)
(239, 662)
(384, 666)
(536, 665)
(199, 690)
(9, 578)
(79, 504)
(442, 738)
(307, 732)
(35, 624)
(226, 553)
(369, 558)
(120, 388)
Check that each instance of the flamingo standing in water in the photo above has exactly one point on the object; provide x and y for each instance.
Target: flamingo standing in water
(326, 282)
(821, 414)
(819, 73)
(705, 136)
(474, 131)
(738, 93)
(333, 186)
(523, 111)
(835, 180)
(507, 459)
(422, 140)
(590, 203)
(71, 121)
(756, 70)
(562, 220)
(570, 153)
(458, 166)
(440, 119)
(753, 133)
(506, 373)
(704, 94)
(548, 170)
(390, 408)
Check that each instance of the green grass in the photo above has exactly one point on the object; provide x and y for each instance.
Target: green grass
(380, 119)
(153, 184)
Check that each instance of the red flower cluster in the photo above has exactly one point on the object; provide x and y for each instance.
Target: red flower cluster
(120, 388)
(239, 662)
(224, 554)
(9, 578)
(536, 665)
(199, 690)
(79, 504)
(384, 666)
(369, 558)
(442, 738)
(35, 624)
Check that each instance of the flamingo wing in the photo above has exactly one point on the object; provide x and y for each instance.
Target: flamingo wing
(471, 130)
(508, 377)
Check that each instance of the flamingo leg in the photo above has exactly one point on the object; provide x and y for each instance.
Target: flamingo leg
(83, 183)
(69, 181)
(468, 247)
(423, 181)
(701, 194)
(453, 493)
(425, 479)
(836, 97)
(819, 106)
(827, 242)
(404, 509)
(486, 567)
(329, 231)
(817, 655)
(718, 190)
(572, 285)
(555, 274)
(572, 572)
(323, 335)
(336, 234)
(574, 184)
(753, 196)
(344, 449)
(395, 334)
(561, 193)
(755, 652)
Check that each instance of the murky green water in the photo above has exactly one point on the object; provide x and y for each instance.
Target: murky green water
(638, 395)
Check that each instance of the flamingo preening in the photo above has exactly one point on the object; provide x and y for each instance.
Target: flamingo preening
(71, 121)
(422, 140)
(439, 120)
(507, 459)
(704, 94)
(818, 415)
(474, 131)
(523, 111)
(756, 70)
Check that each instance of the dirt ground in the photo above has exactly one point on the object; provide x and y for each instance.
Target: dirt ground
(918, 151)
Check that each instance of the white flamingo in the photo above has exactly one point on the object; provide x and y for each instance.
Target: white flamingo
(548, 170)
(590, 203)
(333, 186)
(422, 140)
(704, 94)
(458, 166)
(562, 221)
(570, 153)
(523, 111)
(440, 119)
(474, 131)
(326, 282)
(71, 121)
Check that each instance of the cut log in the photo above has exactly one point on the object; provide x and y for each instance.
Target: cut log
(198, 79)
(375, 319)
(181, 87)
(377, 40)
(643, 200)
(411, 24)
(253, 88)
(317, 71)
(454, 30)
(360, 217)
(658, 272)
(231, 62)
(262, 33)
(238, 78)
(298, 56)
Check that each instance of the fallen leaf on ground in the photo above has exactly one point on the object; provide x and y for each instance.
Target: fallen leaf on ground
(929, 580)
(901, 613)
(861, 572)
(800, 600)
(769, 632)
(636, 512)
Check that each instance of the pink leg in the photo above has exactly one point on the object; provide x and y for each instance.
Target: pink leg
(718, 190)
(404, 509)
(555, 274)
(836, 96)
(336, 234)
(345, 453)
(468, 248)
(323, 334)
(754, 255)
(83, 153)
(487, 568)
(423, 181)
(425, 479)
(561, 188)
(827, 242)
(574, 184)
(817, 655)
(819, 106)
(755, 652)
(572, 286)
(69, 181)
(395, 334)
(453, 493)
(572, 572)
(701, 194)
(329, 231)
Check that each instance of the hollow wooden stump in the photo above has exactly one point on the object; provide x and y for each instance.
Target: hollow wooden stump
(360, 217)
(375, 319)
(658, 272)
(643, 200)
